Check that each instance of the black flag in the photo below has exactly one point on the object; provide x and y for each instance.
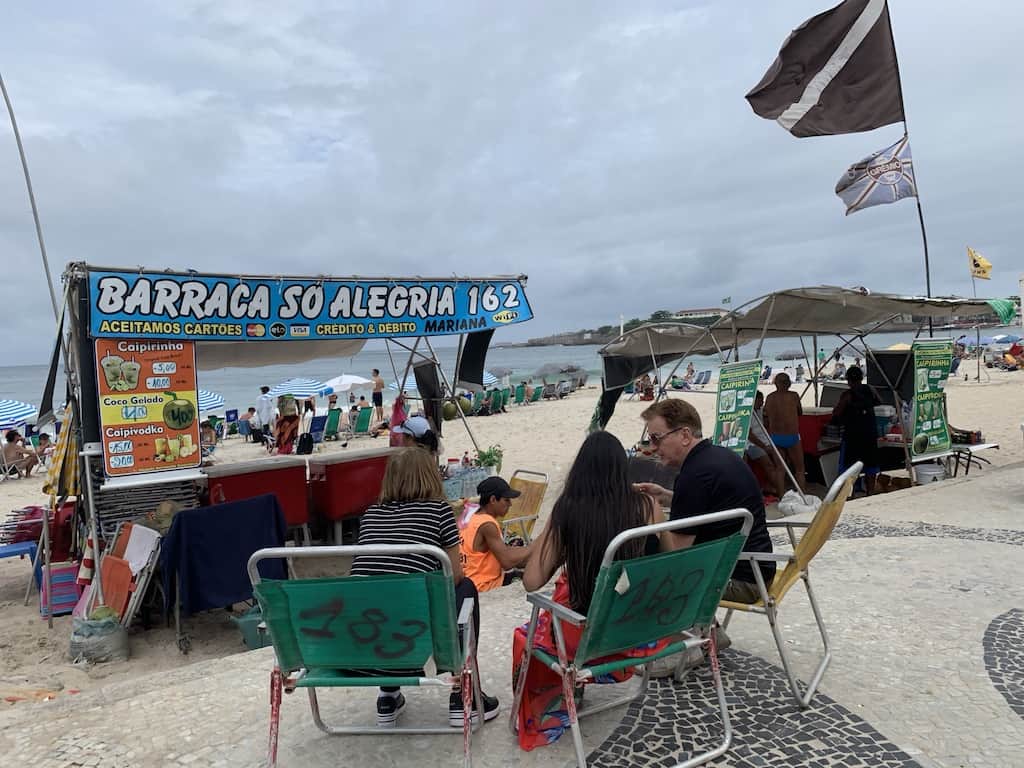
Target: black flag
(836, 73)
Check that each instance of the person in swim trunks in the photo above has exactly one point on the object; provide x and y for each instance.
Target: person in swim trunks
(782, 411)
(378, 395)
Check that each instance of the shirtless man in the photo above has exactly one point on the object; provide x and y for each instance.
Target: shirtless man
(378, 395)
(17, 455)
(782, 411)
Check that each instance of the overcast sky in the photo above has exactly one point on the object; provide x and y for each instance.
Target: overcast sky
(604, 149)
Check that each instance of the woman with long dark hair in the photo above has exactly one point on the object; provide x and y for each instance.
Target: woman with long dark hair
(596, 504)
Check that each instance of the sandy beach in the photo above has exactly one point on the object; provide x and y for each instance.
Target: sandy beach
(543, 437)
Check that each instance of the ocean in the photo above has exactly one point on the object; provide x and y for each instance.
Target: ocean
(240, 386)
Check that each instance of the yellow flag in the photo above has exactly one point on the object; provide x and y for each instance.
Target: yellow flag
(980, 266)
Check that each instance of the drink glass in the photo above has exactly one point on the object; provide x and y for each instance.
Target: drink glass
(130, 371)
(111, 365)
(174, 448)
(161, 446)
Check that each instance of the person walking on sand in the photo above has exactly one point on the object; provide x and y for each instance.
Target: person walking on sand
(378, 395)
(782, 412)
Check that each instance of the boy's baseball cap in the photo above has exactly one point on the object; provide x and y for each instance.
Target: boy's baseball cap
(496, 486)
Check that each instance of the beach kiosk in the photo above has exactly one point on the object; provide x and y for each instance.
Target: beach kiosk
(850, 315)
(135, 342)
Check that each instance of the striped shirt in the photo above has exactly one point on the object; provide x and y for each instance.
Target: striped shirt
(426, 521)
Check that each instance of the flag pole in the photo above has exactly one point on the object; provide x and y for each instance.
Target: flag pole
(31, 198)
(917, 187)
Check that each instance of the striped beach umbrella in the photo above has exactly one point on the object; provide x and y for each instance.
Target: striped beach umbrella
(14, 413)
(409, 385)
(300, 387)
(489, 379)
(210, 401)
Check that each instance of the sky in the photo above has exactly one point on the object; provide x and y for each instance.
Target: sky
(603, 149)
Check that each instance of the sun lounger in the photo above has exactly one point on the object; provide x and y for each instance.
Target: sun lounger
(318, 628)
(525, 509)
(317, 428)
(538, 393)
(630, 609)
(333, 424)
(362, 425)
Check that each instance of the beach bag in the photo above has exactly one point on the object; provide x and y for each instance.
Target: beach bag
(98, 640)
(305, 444)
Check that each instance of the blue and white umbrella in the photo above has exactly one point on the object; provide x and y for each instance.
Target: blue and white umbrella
(1005, 338)
(14, 413)
(301, 388)
(408, 386)
(489, 379)
(210, 401)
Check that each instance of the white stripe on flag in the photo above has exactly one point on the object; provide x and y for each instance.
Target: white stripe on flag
(854, 37)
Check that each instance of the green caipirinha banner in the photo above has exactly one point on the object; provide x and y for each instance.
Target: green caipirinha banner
(737, 386)
(932, 358)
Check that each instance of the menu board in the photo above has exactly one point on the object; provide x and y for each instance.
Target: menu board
(932, 358)
(737, 387)
(148, 405)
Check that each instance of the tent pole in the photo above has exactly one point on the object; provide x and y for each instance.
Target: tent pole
(654, 362)
(93, 532)
(451, 389)
(764, 328)
(32, 202)
(816, 371)
(899, 409)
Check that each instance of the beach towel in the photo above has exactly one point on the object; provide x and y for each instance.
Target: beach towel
(207, 549)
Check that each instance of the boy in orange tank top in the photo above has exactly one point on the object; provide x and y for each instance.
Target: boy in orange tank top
(485, 555)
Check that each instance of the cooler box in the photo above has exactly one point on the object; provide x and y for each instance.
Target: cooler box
(346, 484)
(812, 425)
(283, 476)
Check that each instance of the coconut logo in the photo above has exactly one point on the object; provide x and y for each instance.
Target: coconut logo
(886, 170)
(508, 316)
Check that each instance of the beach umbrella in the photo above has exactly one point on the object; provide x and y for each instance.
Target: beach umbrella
(300, 388)
(62, 475)
(14, 413)
(500, 371)
(408, 386)
(1005, 338)
(489, 379)
(347, 381)
(210, 401)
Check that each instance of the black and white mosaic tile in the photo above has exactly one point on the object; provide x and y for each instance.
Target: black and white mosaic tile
(863, 527)
(1004, 657)
(676, 720)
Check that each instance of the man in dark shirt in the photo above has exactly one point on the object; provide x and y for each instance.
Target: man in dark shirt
(711, 479)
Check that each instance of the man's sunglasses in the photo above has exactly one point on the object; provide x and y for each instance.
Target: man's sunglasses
(656, 438)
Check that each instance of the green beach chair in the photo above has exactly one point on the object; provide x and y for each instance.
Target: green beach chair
(333, 422)
(362, 426)
(506, 397)
(637, 602)
(478, 401)
(367, 631)
(521, 394)
(495, 402)
(538, 392)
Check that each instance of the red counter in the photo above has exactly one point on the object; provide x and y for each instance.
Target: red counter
(812, 425)
(283, 476)
(345, 484)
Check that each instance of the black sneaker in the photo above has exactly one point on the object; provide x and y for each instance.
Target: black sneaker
(389, 707)
(456, 717)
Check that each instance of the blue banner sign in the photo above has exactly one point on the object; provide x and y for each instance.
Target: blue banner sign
(218, 308)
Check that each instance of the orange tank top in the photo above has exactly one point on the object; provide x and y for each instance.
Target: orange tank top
(482, 568)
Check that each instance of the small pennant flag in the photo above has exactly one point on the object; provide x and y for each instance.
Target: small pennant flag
(981, 267)
(883, 177)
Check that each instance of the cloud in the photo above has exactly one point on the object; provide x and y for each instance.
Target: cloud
(603, 149)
